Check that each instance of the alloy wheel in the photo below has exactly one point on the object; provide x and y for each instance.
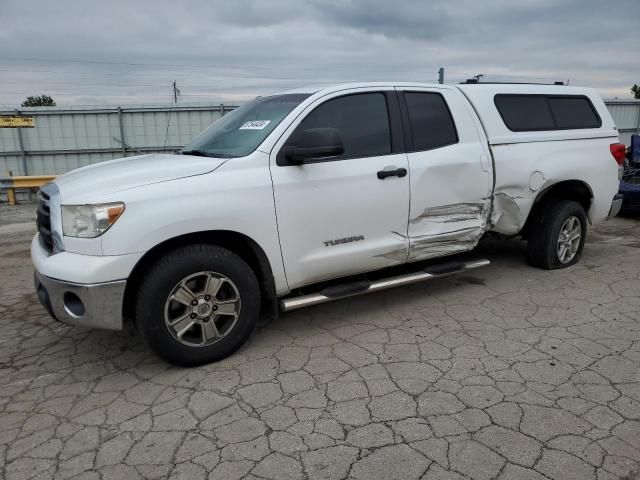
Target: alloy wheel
(202, 309)
(569, 239)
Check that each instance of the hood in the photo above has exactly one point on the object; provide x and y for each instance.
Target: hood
(87, 184)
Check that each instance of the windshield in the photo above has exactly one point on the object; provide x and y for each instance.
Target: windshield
(240, 132)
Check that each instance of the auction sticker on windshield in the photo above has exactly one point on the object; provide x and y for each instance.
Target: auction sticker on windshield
(255, 125)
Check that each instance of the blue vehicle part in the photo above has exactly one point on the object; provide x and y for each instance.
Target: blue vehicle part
(635, 149)
(630, 181)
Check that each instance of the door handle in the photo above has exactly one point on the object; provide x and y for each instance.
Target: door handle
(484, 163)
(398, 172)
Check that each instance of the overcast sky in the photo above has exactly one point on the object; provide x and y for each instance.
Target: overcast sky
(128, 52)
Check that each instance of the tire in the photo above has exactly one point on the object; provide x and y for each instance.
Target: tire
(190, 275)
(544, 249)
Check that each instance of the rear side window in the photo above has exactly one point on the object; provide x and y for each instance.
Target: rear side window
(525, 112)
(522, 113)
(574, 112)
(430, 120)
(362, 119)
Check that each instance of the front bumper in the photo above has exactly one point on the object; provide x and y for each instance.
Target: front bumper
(92, 291)
(96, 305)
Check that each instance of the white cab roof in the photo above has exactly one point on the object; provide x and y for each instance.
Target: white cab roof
(324, 89)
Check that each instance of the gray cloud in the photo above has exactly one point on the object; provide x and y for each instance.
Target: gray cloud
(129, 52)
(411, 19)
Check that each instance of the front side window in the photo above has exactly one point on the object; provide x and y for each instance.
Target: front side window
(241, 131)
(362, 119)
(430, 119)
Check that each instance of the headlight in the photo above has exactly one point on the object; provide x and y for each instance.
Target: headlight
(89, 221)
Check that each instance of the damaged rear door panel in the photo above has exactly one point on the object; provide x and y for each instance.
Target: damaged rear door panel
(537, 148)
(451, 173)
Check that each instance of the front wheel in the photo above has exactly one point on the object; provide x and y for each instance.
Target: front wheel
(198, 304)
(557, 234)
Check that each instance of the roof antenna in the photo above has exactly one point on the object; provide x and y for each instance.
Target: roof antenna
(474, 79)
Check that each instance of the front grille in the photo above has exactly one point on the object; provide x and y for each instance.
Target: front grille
(43, 221)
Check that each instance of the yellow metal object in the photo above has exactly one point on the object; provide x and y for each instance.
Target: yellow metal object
(16, 121)
(31, 181)
(23, 182)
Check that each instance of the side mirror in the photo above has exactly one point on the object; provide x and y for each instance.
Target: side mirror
(314, 143)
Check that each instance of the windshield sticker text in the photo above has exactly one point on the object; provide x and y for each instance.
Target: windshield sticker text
(255, 125)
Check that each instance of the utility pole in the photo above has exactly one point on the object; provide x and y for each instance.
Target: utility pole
(441, 75)
(176, 92)
(174, 101)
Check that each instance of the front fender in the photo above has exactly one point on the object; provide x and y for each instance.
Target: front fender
(237, 198)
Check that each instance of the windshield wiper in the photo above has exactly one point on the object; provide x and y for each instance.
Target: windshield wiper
(202, 153)
(196, 153)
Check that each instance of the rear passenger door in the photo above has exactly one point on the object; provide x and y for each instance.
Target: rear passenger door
(450, 170)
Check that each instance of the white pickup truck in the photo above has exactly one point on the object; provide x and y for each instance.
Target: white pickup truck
(309, 196)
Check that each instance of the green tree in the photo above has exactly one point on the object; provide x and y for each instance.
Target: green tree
(636, 91)
(39, 101)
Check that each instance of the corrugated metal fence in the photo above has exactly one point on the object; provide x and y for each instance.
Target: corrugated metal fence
(64, 139)
(626, 114)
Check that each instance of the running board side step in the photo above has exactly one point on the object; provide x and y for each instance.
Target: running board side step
(362, 287)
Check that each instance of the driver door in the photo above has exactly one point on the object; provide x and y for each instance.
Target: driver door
(339, 215)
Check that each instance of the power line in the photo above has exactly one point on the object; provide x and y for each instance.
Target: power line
(248, 76)
(129, 64)
(47, 85)
(63, 83)
(160, 74)
(175, 65)
(81, 94)
(119, 74)
(201, 90)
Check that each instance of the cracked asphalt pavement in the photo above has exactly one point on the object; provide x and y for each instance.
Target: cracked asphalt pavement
(505, 372)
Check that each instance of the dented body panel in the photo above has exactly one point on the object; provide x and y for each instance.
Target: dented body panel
(528, 163)
(489, 180)
(450, 188)
(584, 160)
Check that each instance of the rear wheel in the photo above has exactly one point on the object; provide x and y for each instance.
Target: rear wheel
(557, 235)
(198, 304)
